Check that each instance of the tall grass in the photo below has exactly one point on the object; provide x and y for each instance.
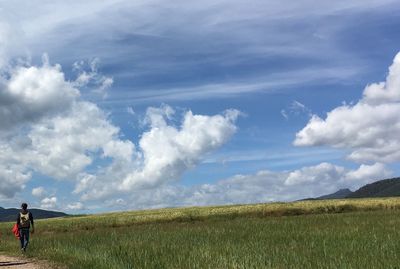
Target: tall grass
(248, 236)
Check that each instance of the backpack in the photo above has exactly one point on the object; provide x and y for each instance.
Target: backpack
(24, 220)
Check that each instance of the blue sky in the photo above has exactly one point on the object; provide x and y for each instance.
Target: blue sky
(139, 104)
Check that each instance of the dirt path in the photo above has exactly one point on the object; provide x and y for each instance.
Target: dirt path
(20, 262)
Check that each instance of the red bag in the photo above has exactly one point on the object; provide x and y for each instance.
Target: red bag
(15, 230)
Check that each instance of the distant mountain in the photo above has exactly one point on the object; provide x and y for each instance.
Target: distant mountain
(10, 214)
(340, 194)
(382, 188)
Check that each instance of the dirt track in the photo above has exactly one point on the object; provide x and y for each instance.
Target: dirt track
(21, 262)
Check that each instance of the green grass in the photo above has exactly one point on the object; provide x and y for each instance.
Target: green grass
(294, 235)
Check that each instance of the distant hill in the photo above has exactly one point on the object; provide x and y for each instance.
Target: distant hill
(382, 188)
(340, 194)
(10, 214)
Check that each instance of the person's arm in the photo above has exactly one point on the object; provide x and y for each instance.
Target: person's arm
(31, 218)
(18, 220)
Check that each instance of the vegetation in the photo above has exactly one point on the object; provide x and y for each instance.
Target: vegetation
(278, 235)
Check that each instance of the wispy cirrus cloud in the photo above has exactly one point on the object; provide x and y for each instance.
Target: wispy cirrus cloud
(194, 51)
(296, 108)
(268, 84)
(274, 158)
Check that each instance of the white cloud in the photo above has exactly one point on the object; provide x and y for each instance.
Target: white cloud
(75, 206)
(369, 128)
(263, 186)
(61, 136)
(62, 145)
(388, 91)
(297, 109)
(219, 23)
(91, 78)
(324, 173)
(375, 171)
(116, 203)
(13, 178)
(309, 181)
(32, 93)
(169, 151)
(284, 114)
(268, 83)
(47, 128)
(38, 192)
(130, 110)
(49, 203)
(165, 152)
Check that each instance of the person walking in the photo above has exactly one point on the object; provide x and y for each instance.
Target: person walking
(24, 222)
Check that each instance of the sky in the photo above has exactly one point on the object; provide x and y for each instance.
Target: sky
(121, 105)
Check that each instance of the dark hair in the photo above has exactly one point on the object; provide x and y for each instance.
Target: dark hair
(24, 206)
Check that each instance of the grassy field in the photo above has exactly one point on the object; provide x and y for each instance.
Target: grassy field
(280, 235)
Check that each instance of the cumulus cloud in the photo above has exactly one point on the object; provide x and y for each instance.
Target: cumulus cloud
(369, 128)
(323, 173)
(46, 127)
(49, 203)
(75, 206)
(289, 185)
(32, 93)
(387, 91)
(262, 186)
(165, 152)
(38, 192)
(13, 173)
(377, 170)
(12, 179)
(61, 144)
(168, 151)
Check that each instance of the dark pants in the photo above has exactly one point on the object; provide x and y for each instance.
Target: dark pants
(24, 237)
